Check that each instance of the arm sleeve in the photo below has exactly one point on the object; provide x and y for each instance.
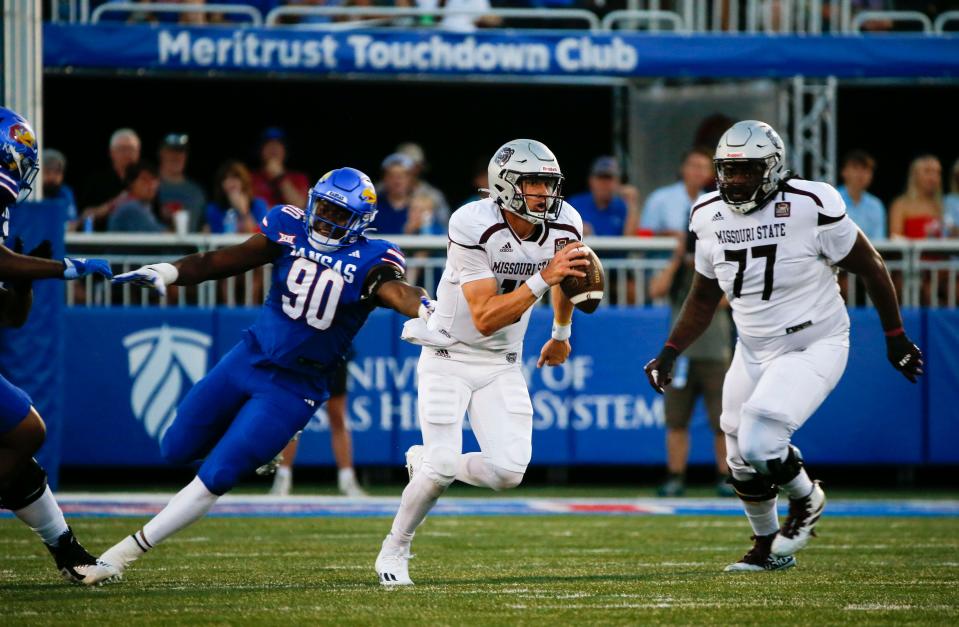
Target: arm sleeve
(835, 231)
(377, 276)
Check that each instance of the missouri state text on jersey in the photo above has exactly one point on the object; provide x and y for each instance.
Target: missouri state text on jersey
(776, 264)
(319, 299)
(482, 246)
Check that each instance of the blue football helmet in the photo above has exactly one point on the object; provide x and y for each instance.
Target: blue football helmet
(19, 155)
(341, 206)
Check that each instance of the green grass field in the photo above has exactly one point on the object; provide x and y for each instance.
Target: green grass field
(496, 570)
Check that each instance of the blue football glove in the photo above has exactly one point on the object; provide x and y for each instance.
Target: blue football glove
(155, 276)
(74, 268)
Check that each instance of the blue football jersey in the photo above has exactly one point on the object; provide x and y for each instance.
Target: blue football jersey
(317, 302)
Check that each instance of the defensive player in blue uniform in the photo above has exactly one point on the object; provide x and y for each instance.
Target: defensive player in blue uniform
(23, 482)
(327, 278)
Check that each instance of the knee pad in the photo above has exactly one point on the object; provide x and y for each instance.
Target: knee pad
(785, 470)
(753, 490)
(506, 479)
(220, 478)
(26, 486)
(441, 464)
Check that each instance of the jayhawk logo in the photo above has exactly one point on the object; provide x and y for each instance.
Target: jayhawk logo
(326, 176)
(21, 134)
(368, 195)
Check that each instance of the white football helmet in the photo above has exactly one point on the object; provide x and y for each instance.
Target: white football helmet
(750, 163)
(526, 159)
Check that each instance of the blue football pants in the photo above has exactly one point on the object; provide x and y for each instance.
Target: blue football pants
(236, 419)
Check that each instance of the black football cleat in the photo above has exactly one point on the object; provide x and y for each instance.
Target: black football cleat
(72, 559)
(760, 558)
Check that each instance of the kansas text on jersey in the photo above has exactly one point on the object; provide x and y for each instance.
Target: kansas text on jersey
(318, 300)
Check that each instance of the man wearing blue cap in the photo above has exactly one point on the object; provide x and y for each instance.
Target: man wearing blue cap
(605, 207)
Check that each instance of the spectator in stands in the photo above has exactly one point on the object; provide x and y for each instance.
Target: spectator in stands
(177, 192)
(103, 189)
(135, 210)
(54, 168)
(699, 372)
(273, 182)
(422, 219)
(667, 209)
(951, 202)
(603, 208)
(917, 214)
(234, 209)
(420, 186)
(394, 194)
(866, 210)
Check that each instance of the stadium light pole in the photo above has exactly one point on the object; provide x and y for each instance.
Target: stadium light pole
(23, 64)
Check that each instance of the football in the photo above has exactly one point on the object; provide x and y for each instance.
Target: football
(586, 292)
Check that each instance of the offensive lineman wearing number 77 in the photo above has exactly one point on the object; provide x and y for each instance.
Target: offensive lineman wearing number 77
(770, 243)
(327, 278)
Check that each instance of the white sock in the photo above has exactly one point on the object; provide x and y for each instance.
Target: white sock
(474, 470)
(800, 487)
(346, 477)
(762, 516)
(44, 517)
(188, 506)
(284, 471)
(419, 497)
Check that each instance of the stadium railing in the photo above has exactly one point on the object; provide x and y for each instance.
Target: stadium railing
(691, 16)
(925, 272)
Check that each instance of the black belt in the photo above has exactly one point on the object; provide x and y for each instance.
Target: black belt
(799, 327)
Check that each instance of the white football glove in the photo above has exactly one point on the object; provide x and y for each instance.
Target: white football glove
(156, 276)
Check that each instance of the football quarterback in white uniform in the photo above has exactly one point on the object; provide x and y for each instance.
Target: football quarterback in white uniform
(771, 243)
(505, 252)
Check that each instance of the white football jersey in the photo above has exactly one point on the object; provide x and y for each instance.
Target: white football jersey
(776, 264)
(483, 246)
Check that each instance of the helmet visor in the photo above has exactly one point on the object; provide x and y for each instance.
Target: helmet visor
(740, 179)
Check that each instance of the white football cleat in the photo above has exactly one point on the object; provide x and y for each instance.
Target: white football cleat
(800, 525)
(414, 459)
(393, 565)
(114, 561)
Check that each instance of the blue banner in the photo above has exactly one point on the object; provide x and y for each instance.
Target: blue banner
(522, 53)
(595, 409)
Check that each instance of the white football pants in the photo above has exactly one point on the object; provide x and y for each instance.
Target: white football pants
(764, 403)
(493, 390)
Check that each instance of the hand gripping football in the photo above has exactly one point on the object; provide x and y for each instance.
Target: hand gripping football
(586, 292)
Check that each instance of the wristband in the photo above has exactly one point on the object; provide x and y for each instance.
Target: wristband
(561, 332)
(167, 271)
(894, 332)
(537, 285)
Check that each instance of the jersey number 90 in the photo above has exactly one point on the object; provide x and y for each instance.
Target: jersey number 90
(314, 296)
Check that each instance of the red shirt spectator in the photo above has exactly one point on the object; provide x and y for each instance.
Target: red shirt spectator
(273, 182)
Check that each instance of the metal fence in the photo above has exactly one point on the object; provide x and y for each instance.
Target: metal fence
(925, 272)
(686, 16)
